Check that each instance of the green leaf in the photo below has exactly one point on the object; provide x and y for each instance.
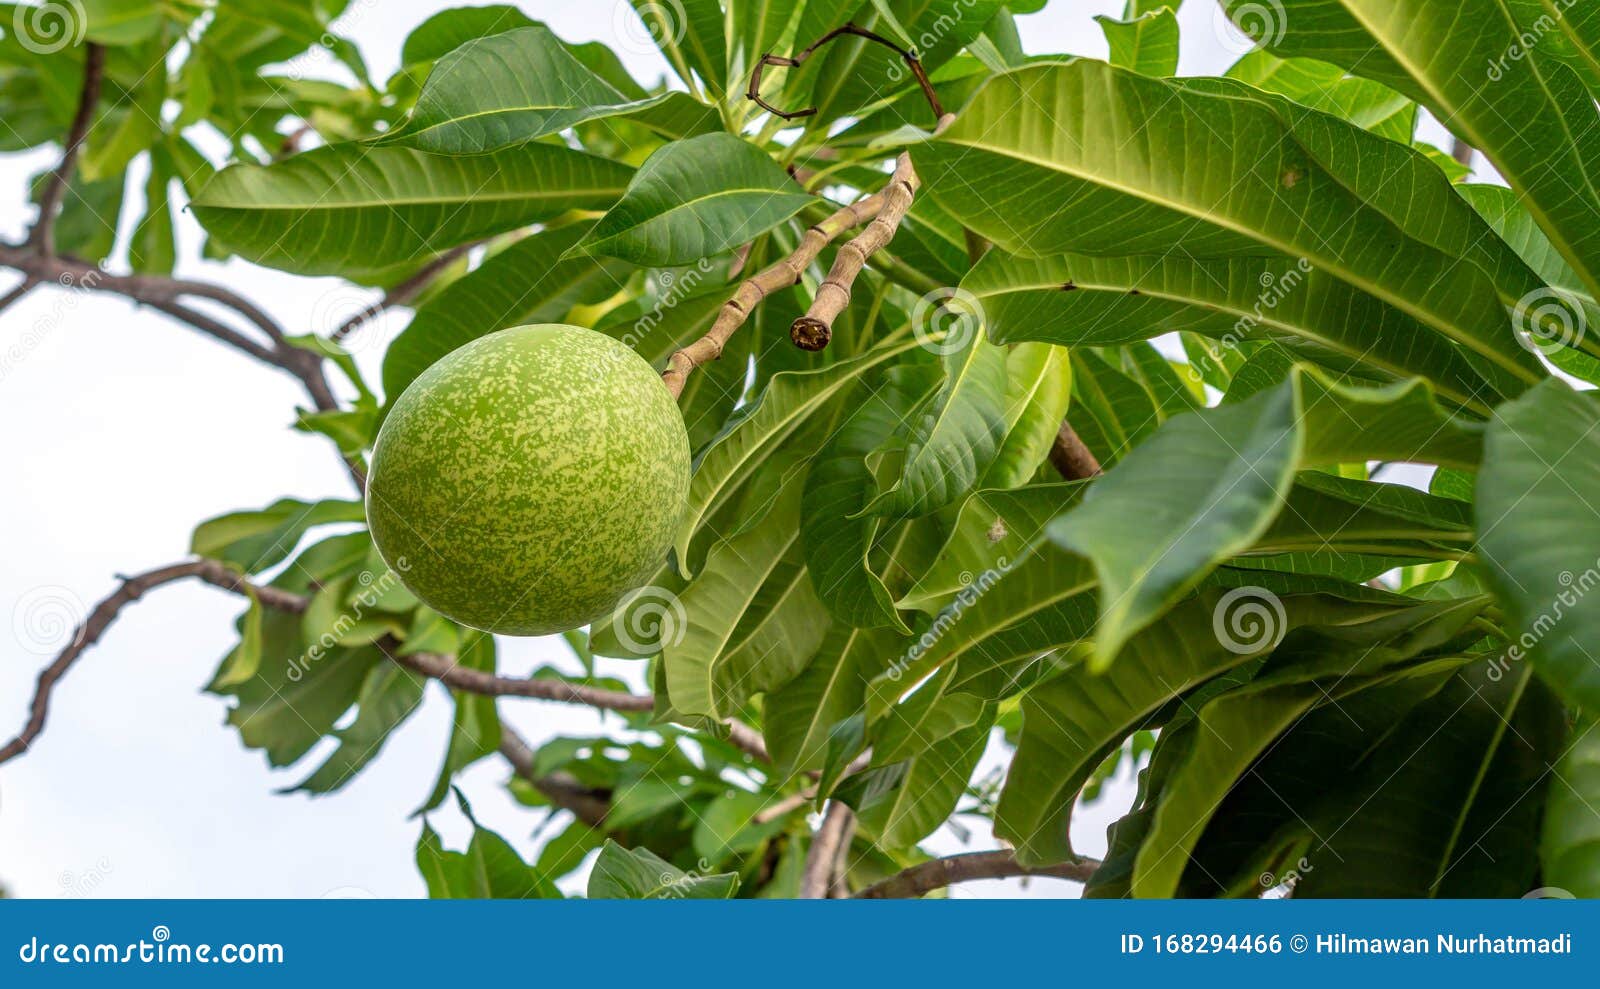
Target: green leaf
(1147, 44)
(838, 538)
(345, 208)
(1446, 805)
(528, 282)
(902, 803)
(953, 440)
(475, 729)
(1052, 136)
(639, 874)
(1571, 841)
(450, 29)
(1528, 113)
(1110, 411)
(1539, 534)
(1070, 724)
(789, 399)
(1367, 104)
(1206, 486)
(696, 198)
(1038, 391)
(255, 541)
(505, 90)
(690, 35)
(489, 869)
(798, 717)
(390, 695)
(1106, 301)
(711, 671)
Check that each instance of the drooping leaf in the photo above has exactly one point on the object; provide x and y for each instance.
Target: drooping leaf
(528, 282)
(639, 874)
(255, 541)
(1503, 105)
(693, 199)
(344, 208)
(1207, 485)
(489, 868)
(1571, 839)
(1147, 43)
(504, 90)
(1052, 136)
(1540, 536)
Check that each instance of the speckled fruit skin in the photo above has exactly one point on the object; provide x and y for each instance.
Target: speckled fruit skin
(530, 479)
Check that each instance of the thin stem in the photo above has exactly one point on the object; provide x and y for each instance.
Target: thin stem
(42, 239)
(830, 842)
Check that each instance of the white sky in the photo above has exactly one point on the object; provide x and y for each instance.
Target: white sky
(124, 429)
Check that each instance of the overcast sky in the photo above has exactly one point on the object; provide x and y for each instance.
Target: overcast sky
(122, 431)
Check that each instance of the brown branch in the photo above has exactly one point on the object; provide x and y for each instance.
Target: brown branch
(11, 298)
(813, 330)
(42, 238)
(772, 279)
(447, 671)
(793, 62)
(831, 841)
(403, 293)
(926, 877)
(1071, 457)
(84, 636)
(587, 804)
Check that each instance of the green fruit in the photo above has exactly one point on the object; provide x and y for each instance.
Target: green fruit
(529, 480)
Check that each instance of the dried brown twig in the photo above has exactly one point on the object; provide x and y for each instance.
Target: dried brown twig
(774, 278)
(42, 238)
(925, 877)
(795, 61)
